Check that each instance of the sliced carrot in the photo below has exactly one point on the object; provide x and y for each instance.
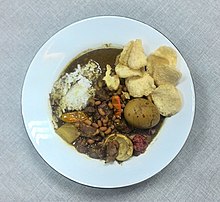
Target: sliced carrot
(117, 105)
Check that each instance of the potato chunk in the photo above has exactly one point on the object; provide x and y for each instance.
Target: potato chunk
(68, 132)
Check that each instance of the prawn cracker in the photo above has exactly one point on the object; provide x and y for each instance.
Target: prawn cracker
(124, 71)
(140, 86)
(167, 99)
(167, 53)
(137, 58)
(123, 59)
(166, 74)
(153, 61)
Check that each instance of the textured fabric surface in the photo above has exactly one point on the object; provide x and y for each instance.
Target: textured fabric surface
(193, 26)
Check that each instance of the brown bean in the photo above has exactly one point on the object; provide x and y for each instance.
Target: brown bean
(95, 125)
(97, 131)
(105, 120)
(112, 127)
(101, 111)
(113, 118)
(90, 141)
(117, 120)
(99, 123)
(102, 134)
(103, 128)
(98, 102)
(105, 124)
(88, 122)
(108, 131)
(110, 105)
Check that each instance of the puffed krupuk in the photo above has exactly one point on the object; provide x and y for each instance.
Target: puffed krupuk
(133, 55)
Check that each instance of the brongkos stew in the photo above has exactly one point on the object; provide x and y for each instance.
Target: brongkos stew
(110, 103)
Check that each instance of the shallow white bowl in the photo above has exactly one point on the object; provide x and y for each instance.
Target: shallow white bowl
(45, 68)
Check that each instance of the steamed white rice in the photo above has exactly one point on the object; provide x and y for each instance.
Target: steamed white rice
(77, 96)
(73, 90)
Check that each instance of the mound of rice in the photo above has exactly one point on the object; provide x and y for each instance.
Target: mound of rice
(73, 90)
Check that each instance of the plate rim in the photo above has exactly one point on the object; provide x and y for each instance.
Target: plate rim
(113, 17)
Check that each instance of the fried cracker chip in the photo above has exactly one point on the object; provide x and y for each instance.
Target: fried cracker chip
(137, 58)
(154, 61)
(166, 75)
(124, 71)
(112, 82)
(125, 54)
(139, 86)
(167, 53)
(167, 99)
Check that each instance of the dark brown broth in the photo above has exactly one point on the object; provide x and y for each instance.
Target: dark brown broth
(103, 57)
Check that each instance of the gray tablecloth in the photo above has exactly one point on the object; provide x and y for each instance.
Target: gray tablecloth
(193, 26)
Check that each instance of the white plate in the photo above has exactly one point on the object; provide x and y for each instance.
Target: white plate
(45, 68)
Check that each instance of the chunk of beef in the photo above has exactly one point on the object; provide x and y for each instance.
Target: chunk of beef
(102, 95)
(97, 151)
(86, 130)
(81, 145)
(90, 110)
(123, 127)
(111, 151)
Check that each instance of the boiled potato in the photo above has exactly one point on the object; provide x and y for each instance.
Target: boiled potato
(68, 132)
(141, 113)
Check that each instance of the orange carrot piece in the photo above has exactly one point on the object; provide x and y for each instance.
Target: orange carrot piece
(117, 105)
